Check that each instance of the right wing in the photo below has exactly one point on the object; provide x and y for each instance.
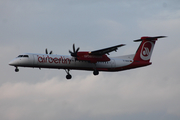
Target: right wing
(105, 50)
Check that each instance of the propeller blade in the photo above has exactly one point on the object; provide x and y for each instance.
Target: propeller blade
(50, 52)
(70, 52)
(46, 51)
(77, 50)
(74, 48)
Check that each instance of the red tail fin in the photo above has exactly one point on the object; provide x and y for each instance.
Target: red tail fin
(145, 49)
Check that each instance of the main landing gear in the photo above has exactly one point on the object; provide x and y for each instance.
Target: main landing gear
(16, 69)
(68, 76)
(96, 72)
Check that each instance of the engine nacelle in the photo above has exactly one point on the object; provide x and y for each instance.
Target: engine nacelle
(85, 56)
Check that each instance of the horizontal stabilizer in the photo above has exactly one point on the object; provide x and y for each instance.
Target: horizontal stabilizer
(149, 38)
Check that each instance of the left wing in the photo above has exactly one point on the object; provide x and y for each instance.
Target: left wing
(105, 50)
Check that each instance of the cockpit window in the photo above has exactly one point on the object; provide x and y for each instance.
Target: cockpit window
(25, 56)
(20, 56)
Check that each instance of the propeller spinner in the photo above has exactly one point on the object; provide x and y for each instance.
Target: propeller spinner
(75, 51)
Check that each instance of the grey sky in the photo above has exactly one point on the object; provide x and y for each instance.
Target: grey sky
(149, 93)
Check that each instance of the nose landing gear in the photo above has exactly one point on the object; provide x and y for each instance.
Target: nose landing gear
(16, 69)
(68, 76)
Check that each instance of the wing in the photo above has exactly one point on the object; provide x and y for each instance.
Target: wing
(105, 50)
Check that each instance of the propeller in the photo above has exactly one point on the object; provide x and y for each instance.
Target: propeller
(149, 38)
(46, 51)
(75, 51)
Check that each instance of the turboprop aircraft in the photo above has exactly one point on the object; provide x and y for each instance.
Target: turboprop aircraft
(93, 61)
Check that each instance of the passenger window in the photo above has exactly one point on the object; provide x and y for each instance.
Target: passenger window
(25, 56)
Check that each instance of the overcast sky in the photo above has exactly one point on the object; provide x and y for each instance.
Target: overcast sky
(148, 93)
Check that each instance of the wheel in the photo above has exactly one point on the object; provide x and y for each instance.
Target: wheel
(96, 72)
(16, 70)
(68, 76)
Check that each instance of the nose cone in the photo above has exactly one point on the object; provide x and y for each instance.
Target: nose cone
(13, 62)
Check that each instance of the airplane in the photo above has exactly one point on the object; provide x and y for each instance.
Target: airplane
(91, 61)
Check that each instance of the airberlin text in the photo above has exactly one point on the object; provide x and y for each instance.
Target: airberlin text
(47, 59)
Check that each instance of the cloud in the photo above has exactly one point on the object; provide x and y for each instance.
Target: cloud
(108, 94)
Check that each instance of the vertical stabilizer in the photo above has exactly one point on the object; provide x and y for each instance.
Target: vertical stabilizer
(145, 49)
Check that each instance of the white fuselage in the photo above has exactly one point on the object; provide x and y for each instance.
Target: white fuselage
(66, 62)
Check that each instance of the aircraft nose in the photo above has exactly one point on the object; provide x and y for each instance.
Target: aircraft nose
(13, 62)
